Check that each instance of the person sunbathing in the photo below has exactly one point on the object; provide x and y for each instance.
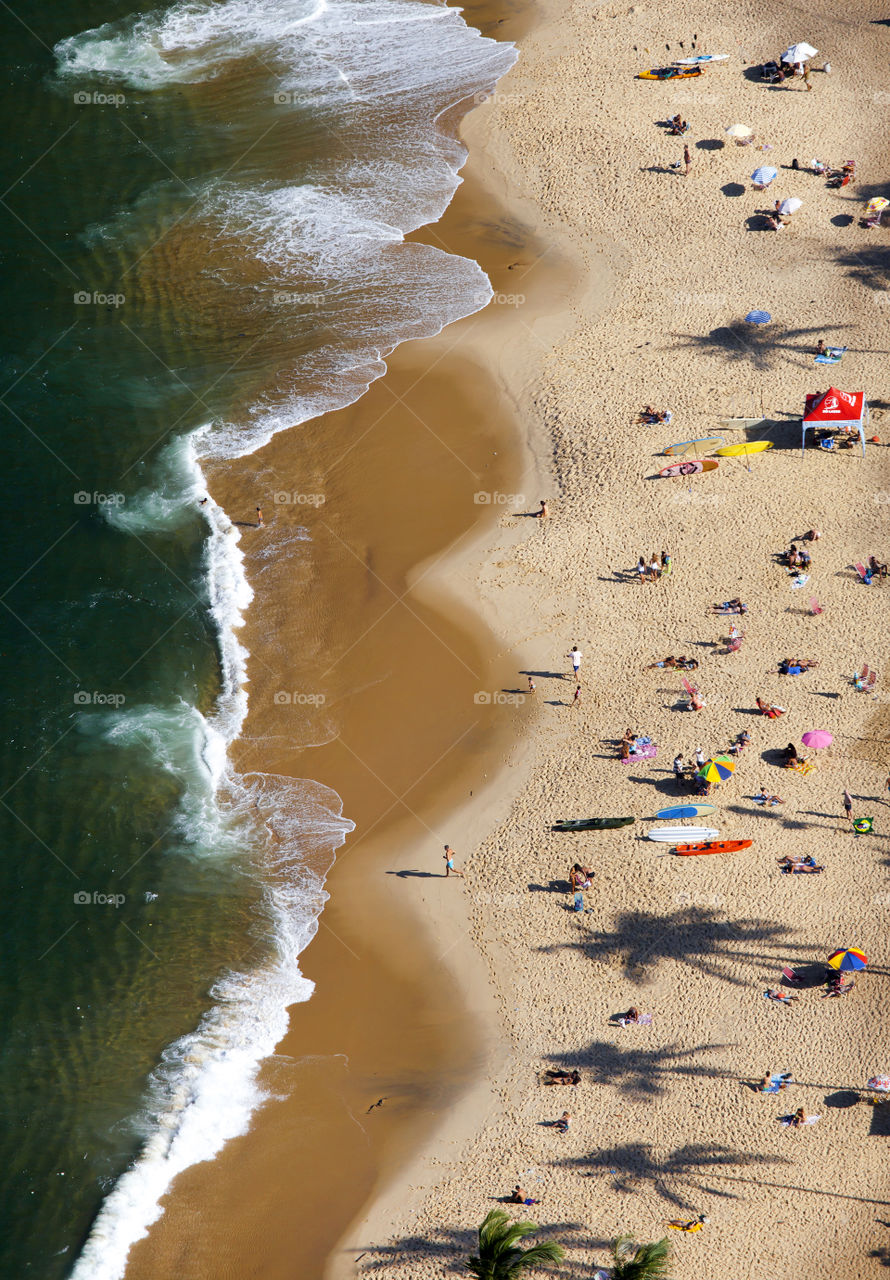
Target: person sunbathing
(730, 606)
(769, 709)
(562, 1077)
(562, 1124)
(684, 663)
(765, 797)
(876, 567)
(796, 666)
(780, 997)
(520, 1196)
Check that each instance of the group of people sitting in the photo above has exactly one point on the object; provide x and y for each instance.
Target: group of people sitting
(650, 417)
(795, 559)
(678, 125)
(633, 744)
(797, 864)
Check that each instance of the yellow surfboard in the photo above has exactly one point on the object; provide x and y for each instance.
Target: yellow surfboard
(740, 450)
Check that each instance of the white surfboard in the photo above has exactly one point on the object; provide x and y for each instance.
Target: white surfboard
(684, 835)
(701, 59)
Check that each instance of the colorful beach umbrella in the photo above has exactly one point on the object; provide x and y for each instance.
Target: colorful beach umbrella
(718, 769)
(880, 1084)
(847, 959)
(758, 317)
(817, 739)
(876, 204)
(763, 176)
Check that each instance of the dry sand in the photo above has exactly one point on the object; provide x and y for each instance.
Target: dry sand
(665, 1123)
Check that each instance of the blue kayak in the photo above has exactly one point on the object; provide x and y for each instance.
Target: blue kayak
(686, 811)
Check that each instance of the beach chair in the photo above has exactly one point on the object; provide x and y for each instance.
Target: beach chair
(865, 680)
(865, 575)
(790, 976)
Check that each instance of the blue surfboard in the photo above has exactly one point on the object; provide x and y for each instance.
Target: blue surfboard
(686, 811)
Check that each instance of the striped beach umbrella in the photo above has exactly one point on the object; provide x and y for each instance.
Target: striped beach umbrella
(847, 959)
(718, 769)
(758, 317)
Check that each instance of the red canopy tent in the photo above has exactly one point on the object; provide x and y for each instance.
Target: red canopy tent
(844, 410)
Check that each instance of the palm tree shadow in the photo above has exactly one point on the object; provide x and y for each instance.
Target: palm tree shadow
(680, 1175)
(642, 1074)
(448, 1248)
(694, 936)
(765, 347)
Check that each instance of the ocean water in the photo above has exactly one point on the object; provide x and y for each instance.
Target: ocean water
(204, 214)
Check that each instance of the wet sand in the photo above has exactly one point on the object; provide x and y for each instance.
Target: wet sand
(376, 612)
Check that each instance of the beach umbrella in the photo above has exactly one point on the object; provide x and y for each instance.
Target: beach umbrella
(875, 206)
(758, 317)
(799, 52)
(817, 739)
(847, 959)
(763, 176)
(739, 131)
(718, 769)
(791, 205)
(880, 1084)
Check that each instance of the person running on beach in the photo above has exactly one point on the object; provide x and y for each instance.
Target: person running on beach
(575, 654)
(450, 869)
(848, 806)
(576, 701)
(531, 685)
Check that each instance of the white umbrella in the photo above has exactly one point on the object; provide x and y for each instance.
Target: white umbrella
(791, 205)
(799, 52)
(739, 131)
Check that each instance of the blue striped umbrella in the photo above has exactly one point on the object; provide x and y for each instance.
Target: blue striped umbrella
(758, 317)
(764, 175)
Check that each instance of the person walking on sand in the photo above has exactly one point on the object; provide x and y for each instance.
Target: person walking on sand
(575, 654)
(450, 869)
(531, 685)
(543, 513)
(848, 806)
(667, 564)
(576, 701)
(687, 160)
(259, 518)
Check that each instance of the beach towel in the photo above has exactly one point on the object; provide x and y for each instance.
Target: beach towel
(787, 1121)
(777, 1079)
(644, 1020)
(578, 904)
(802, 766)
(833, 355)
(642, 753)
(863, 826)
(800, 581)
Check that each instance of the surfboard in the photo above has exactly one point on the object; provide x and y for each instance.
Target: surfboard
(677, 450)
(713, 846)
(677, 811)
(683, 835)
(739, 450)
(701, 59)
(670, 73)
(592, 824)
(693, 467)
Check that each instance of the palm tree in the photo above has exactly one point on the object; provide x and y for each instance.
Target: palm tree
(632, 1261)
(499, 1256)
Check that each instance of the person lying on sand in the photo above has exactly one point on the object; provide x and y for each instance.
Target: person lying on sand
(684, 663)
(730, 606)
(696, 1224)
(562, 1077)
(780, 997)
(796, 666)
(774, 1081)
(632, 1018)
(765, 797)
(742, 741)
(771, 710)
(562, 1124)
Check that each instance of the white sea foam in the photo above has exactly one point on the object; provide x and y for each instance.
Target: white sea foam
(389, 67)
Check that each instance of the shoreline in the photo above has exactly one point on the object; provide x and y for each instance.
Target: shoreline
(219, 1192)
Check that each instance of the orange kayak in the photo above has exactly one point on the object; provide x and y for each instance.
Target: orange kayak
(714, 846)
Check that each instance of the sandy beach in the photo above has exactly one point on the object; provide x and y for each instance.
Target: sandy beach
(666, 1123)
